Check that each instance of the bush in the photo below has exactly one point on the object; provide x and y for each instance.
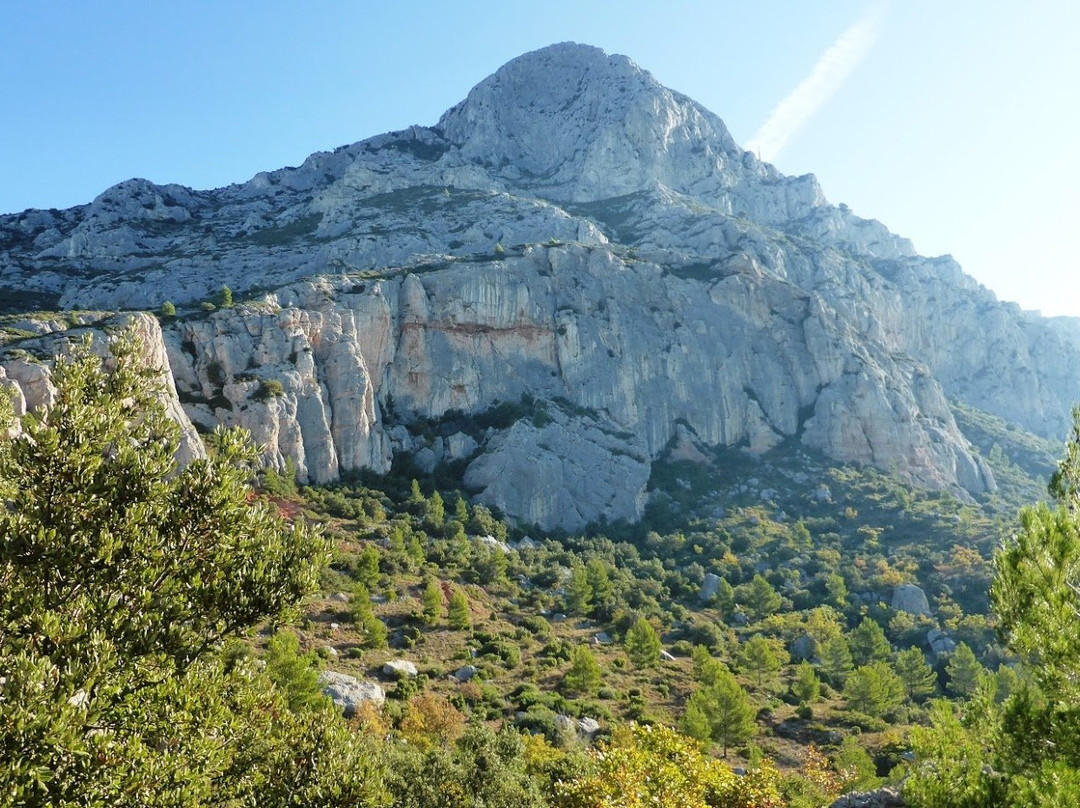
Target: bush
(269, 389)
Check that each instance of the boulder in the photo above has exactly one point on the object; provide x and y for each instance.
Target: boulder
(887, 797)
(582, 727)
(940, 642)
(466, 673)
(492, 543)
(805, 647)
(709, 587)
(348, 692)
(911, 599)
(588, 727)
(399, 669)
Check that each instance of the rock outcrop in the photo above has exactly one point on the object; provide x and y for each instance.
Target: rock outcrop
(348, 693)
(26, 372)
(573, 272)
(911, 599)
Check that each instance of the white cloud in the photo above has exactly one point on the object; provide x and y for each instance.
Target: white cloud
(830, 72)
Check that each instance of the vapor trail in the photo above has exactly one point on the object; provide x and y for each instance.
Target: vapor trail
(828, 74)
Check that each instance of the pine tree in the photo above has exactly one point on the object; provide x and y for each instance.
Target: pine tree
(761, 659)
(371, 628)
(436, 511)
(643, 644)
(432, 601)
(725, 597)
(461, 510)
(600, 582)
(583, 676)
(918, 677)
(168, 309)
(868, 643)
(964, 671)
(457, 612)
(695, 720)
(806, 686)
(417, 501)
(836, 659)
(366, 567)
(874, 689)
(760, 598)
(728, 709)
(293, 673)
(579, 592)
(226, 298)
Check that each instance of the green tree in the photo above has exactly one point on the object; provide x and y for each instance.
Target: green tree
(120, 577)
(432, 601)
(760, 598)
(836, 660)
(583, 676)
(964, 671)
(225, 298)
(868, 643)
(874, 689)
(600, 582)
(642, 644)
(461, 510)
(727, 709)
(805, 685)
(168, 309)
(918, 677)
(371, 628)
(579, 591)
(1024, 752)
(490, 565)
(436, 511)
(484, 768)
(457, 612)
(856, 766)
(761, 659)
(695, 721)
(366, 567)
(295, 674)
(725, 597)
(1036, 595)
(836, 591)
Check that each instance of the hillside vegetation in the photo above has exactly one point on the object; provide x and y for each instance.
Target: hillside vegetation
(162, 633)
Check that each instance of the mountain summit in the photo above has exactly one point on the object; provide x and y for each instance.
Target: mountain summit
(576, 272)
(573, 124)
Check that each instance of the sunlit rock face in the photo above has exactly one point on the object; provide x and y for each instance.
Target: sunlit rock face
(573, 271)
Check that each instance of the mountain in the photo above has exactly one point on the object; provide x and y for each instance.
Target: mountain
(576, 272)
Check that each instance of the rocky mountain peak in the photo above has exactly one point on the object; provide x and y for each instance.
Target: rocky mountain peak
(574, 268)
(581, 125)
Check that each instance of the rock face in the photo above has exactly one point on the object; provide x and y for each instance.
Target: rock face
(574, 271)
(26, 372)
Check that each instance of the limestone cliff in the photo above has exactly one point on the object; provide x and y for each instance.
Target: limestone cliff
(574, 265)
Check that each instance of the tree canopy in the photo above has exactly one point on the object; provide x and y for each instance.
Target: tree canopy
(121, 578)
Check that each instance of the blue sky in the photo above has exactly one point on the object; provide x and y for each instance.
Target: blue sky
(953, 123)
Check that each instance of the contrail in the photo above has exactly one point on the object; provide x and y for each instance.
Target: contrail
(830, 72)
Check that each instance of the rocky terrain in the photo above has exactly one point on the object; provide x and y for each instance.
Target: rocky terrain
(574, 272)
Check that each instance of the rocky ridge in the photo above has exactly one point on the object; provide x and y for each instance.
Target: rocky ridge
(575, 266)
